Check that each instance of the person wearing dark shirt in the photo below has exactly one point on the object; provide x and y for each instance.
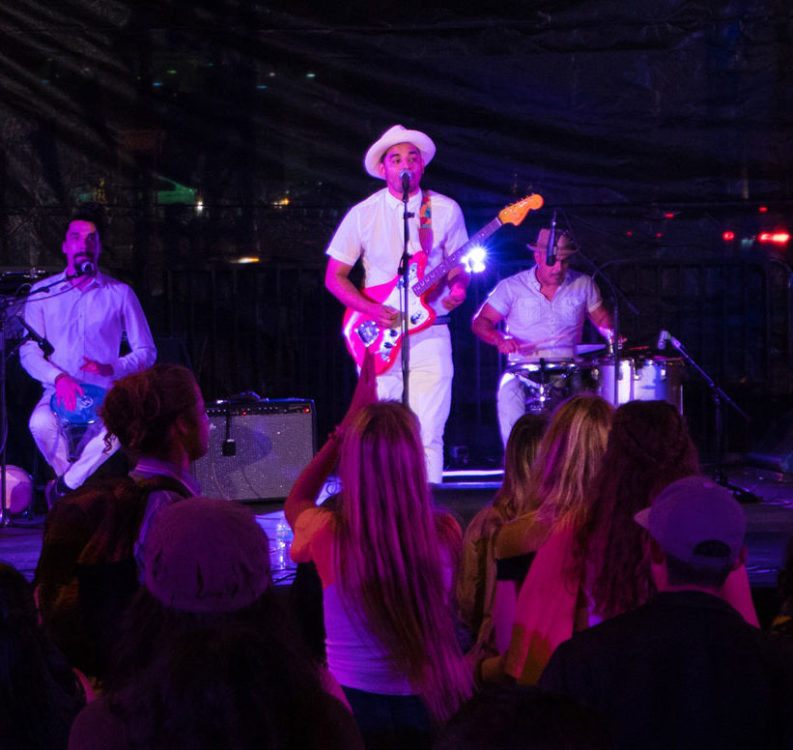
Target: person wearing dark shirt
(684, 670)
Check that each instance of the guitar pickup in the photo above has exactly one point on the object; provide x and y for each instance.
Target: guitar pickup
(368, 332)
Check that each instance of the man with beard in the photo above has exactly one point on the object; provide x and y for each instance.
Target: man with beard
(83, 314)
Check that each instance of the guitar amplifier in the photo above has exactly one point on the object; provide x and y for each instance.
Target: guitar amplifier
(256, 449)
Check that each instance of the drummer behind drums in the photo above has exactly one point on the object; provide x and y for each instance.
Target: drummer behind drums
(543, 309)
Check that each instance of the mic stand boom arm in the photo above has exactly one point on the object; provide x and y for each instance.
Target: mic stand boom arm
(718, 396)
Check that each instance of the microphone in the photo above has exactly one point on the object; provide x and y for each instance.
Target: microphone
(85, 268)
(663, 337)
(550, 255)
(44, 345)
(404, 177)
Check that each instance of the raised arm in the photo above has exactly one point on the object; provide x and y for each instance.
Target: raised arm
(308, 485)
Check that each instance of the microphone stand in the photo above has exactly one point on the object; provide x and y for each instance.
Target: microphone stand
(618, 296)
(718, 396)
(404, 273)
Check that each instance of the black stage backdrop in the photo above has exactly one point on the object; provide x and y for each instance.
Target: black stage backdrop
(216, 131)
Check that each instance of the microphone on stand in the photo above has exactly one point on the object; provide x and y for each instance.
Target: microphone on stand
(85, 268)
(663, 337)
(550, 254)
(404, 177)
(33, 334)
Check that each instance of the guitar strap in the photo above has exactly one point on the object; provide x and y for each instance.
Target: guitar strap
(425, 222)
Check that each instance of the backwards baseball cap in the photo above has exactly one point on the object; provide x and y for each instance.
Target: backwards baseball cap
(204, 555)
(696, 521)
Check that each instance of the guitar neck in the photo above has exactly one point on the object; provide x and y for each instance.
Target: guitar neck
(428, 281)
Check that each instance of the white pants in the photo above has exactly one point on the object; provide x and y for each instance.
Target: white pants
(429, 390)
(511, 404)
(53, 442)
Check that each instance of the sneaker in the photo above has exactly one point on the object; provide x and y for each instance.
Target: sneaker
(51, 493)
(55, 490)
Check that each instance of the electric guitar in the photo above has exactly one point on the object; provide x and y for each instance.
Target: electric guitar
(362, 333)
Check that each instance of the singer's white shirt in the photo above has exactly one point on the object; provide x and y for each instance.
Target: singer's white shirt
(373, 231)
(86, 323)
(554, 325)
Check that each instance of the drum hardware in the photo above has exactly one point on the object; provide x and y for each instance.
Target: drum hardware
(546, 383)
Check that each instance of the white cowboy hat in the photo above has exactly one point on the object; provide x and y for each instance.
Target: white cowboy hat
(391, 137)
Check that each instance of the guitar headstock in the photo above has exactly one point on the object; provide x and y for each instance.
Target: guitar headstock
(517, 212)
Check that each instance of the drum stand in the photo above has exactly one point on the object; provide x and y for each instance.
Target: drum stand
(6, 302)
(718, 396)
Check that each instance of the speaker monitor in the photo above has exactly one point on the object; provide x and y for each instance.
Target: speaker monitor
(256, 450)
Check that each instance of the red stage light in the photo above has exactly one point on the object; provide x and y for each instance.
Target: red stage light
(763, 209)
(777, 238)
(728, 236)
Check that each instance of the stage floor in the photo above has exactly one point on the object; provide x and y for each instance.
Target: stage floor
(766, 496)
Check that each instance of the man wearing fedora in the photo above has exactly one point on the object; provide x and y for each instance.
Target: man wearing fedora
(544, 309)
(685, 670)
(373, 232)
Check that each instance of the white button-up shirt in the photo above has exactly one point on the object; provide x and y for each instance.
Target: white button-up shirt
(82, 323)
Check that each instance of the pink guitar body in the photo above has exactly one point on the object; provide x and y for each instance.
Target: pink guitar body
(361, 332)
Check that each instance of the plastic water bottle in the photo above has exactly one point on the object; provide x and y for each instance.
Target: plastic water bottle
(283, 542)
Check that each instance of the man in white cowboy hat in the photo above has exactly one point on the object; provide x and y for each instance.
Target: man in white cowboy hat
(372, 231)
(544, 309)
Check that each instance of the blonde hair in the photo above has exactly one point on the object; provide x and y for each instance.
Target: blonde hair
(515, 497)
(569, 458)
(387, 549)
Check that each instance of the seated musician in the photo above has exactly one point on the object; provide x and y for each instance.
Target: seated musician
(81, 314)
(544, 310)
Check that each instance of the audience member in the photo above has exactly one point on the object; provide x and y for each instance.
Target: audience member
(87, 570)
(782, 624)
(386, 559)
(684, 670)
(519, 717)
(551, 602)
(649, 447)
(205, 659)
(476, 584)
(39, 693)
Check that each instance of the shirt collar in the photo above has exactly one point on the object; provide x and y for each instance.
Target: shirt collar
(148, 466)
(535, 282)
(98, 279)
(414, 201)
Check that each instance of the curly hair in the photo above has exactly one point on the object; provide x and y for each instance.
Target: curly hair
(648, 448)
(140, 408)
